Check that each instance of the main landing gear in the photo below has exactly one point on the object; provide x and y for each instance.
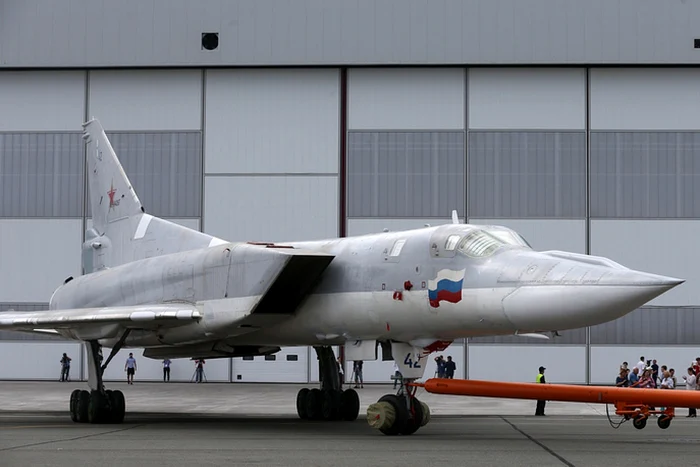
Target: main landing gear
(400, 414)
(330, 402)
(98, 405)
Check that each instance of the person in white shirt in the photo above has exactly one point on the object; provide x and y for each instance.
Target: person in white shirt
(691, 385)
(667, 382)
(641, 364)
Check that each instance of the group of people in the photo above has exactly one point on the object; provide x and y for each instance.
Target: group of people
(130, 368)
(648, 374)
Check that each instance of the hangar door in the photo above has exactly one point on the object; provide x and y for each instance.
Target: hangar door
(289, 365)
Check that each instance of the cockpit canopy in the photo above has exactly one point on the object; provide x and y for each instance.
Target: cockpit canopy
(483, 241)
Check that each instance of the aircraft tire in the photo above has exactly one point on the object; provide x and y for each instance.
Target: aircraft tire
(350, 405)
(82, 406)
(74, 405)
(399, 424)
(301, 403)
(412, 424)
(330, 404)
(117, 406)
(97, 407)
(313, 404)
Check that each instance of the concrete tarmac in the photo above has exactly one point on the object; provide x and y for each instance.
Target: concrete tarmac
(252, 424)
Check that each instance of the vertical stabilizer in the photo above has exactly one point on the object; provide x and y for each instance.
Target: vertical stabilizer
(111, 194)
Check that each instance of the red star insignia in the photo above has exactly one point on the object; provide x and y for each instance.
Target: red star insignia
(111, 193)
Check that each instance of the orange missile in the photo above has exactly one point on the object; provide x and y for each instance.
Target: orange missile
(563, 392)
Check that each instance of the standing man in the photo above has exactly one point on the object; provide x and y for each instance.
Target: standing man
(65, 367)
(691, 385)
(540, 404)
(130, 368)
(166, 369)
(654, 370)
(357, 369)
(200, 369)
(450, 368)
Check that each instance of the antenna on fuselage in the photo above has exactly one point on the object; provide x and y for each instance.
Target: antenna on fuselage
(455, 217)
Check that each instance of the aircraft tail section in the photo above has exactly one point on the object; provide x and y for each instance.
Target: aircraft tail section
(121, 230)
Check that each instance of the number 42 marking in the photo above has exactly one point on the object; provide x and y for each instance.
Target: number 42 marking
(410, 363)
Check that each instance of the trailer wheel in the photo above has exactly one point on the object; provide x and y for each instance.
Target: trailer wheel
(664, 422)
(639, 422)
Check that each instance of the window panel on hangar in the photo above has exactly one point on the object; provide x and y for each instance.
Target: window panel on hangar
(41, 174)
(527, 174)
(405, 174)
(645, 174)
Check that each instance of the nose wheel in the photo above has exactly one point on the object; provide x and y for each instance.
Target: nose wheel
(400, 414)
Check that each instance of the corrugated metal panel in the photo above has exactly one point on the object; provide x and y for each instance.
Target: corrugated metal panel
(272, 121)
(527, 174)
(406, 99)
(645, 175)
(651, 326)
(645, 99)
(25, 336)
(407, 174)
(376, 225)
(40, 100)
(36, 256)
(666, 247)
(41, 175)
(329, 32)
(147, 100)
(572, 336)
(546, 234)
(271, 208)
(527, 98)
(165, 169)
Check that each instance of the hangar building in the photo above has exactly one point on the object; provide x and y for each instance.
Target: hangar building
(576, 123)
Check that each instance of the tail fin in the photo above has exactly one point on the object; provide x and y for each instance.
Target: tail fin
(121, 230)
(111, 194)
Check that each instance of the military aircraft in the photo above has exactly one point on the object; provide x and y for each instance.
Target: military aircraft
(181, 293)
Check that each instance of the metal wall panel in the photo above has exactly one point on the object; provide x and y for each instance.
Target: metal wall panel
(527, 98)
(271, 208)
(40, 100)
(272, 121)
(36, 256)
(41, 175)
(329, 32)
(651, 326)
(26, 336)
(519, 363)
(645, 98)
(407, 174)
(277, 368)
(645, 175)
(571, 336)
(666, 247)
(38, 360)
(607, 359)
(406, 99)
(359, 226)
(165, 169)
(147, 100)
(546, 234)
(527, 174)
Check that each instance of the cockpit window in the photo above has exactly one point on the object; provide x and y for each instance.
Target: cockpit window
(396, 249)
(510, 238)
(479, 244)
(451, 242)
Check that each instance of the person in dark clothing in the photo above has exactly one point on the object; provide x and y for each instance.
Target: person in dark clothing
(622, 381)
(440, 366)
(540, 404)
(450, 368)
(655, 370)
(65, 367)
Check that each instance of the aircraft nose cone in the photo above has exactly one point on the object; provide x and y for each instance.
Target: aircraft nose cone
(602, 294)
